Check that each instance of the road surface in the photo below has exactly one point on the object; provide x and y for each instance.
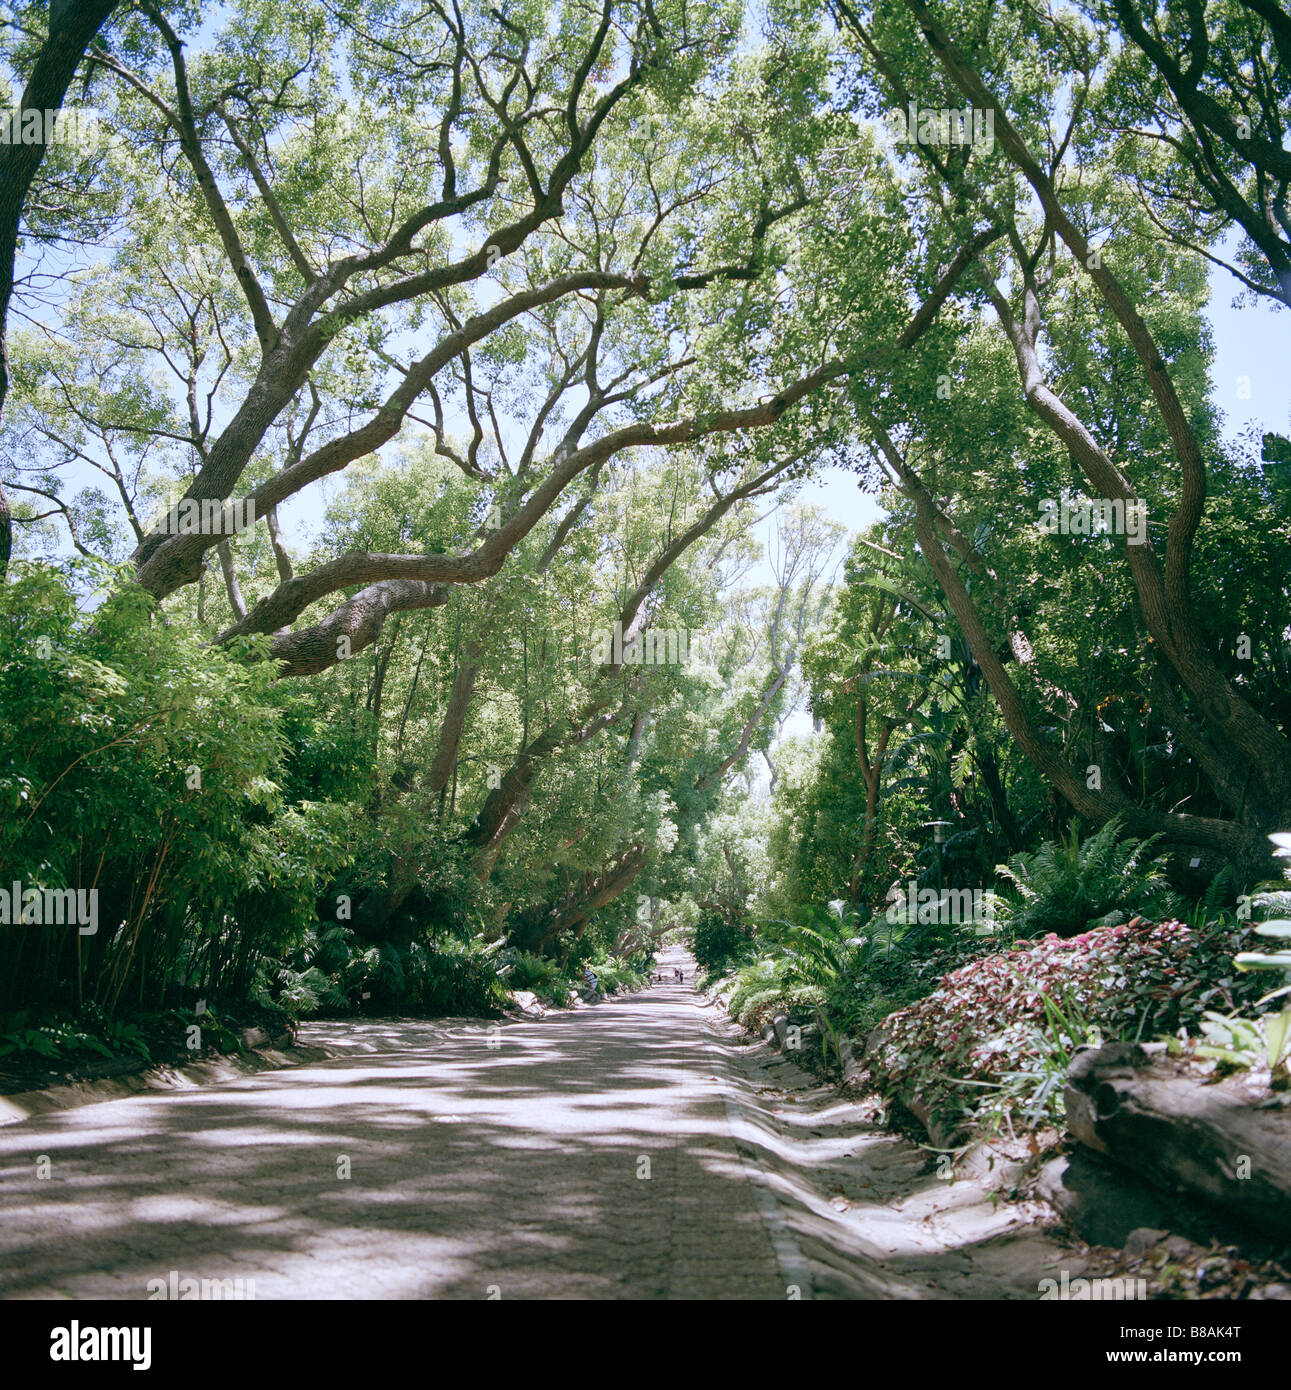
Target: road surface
(603, 1153)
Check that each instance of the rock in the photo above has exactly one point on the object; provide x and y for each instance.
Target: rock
(1101, 1202)
(1143, 1239)
(1178, 1248)
(791, 1036)
(254, 1037)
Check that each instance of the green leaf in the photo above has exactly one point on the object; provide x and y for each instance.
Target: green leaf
(1255, 960)
(1277, 1032)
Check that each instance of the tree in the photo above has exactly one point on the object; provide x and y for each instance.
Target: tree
(72, 25)
(915, 50)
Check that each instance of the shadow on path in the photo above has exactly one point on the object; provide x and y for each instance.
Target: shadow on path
(589, 1154)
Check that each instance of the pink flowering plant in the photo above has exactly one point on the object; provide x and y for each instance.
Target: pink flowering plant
(996, 1035)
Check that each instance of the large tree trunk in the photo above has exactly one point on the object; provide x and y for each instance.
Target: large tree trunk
(72, 26)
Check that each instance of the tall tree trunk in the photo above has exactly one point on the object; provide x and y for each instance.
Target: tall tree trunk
(72, 26)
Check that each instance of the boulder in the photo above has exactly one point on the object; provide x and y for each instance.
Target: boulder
(1103, 1203)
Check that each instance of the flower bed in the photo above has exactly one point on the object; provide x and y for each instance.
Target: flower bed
(985, 1032)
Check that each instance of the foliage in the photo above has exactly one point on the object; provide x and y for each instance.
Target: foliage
(539, 974)
(60, 1038)
(139, 765)
(335, 972)
(767, 987)
(979, 1028)
(718, 942)
(618, 977)
(850, 975)
(1071, 885)
(1236, 1041)
(469, 794)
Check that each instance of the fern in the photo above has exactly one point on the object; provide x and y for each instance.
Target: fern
(1068, 886)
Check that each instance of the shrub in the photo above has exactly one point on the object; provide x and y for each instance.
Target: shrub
(539, 974)
(333, 972)
(718, 943)
(803, 962)
(856, 975)
(615, 976)
(459, 978)
(1264, 1041)
(140, 762)
(890, 976)
(766, 987)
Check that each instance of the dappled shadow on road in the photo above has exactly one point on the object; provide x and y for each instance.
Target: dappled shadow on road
(588, 1154)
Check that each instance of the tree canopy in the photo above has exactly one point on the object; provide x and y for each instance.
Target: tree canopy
(398, 399)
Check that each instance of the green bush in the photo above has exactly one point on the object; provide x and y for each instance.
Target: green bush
(333, 972)
(718, 943)
(846, 976)
(139, 762)
(767, 987)
(995, 1034)
(615, 976)
(1263, 1040)
(538, 974)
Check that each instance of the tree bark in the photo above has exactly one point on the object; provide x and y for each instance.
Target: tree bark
(72, 26)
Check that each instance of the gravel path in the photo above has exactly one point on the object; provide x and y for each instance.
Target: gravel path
(628, 1150)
